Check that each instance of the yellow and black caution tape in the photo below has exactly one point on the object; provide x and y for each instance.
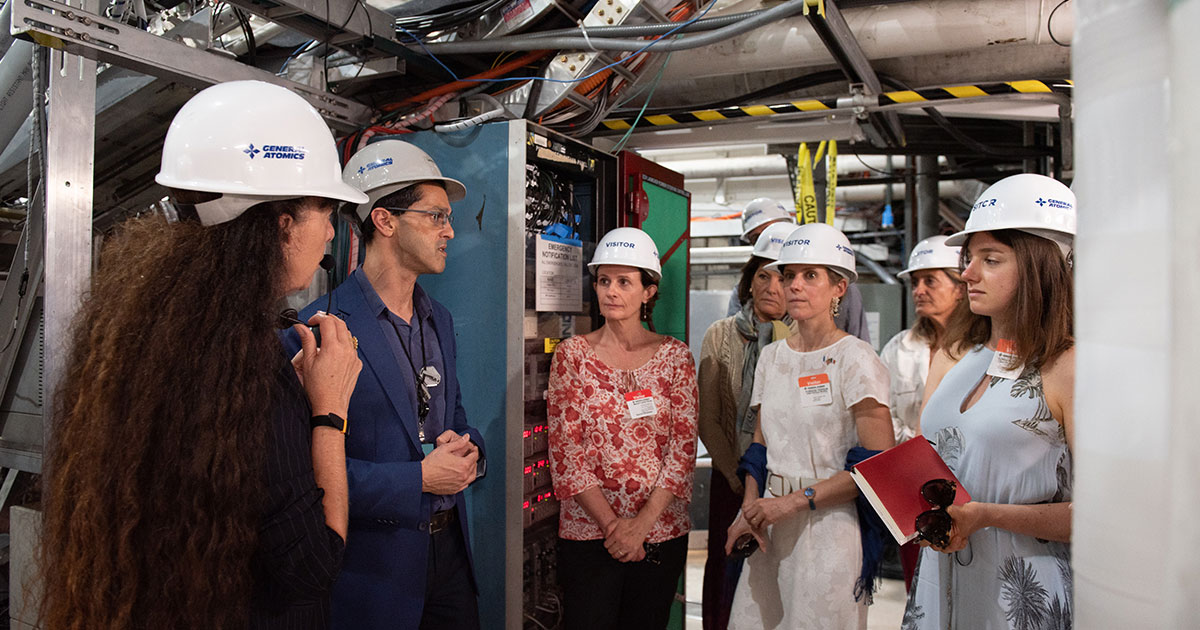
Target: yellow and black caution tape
(725, 113)
(804, 192)
(1062, 86)
(830, 182)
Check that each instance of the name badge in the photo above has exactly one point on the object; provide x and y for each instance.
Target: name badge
(815, 390)
(640, 403)
(1005, 355)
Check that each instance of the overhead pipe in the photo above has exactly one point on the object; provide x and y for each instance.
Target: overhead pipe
(506, 44)
(16, 88)
(888, 30)
(848, 195)
(644, 30)
(765, 166)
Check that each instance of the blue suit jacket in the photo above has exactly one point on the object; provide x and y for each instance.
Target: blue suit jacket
(382, 582)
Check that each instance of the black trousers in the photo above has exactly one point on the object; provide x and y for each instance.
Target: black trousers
(600, 593)
(450, 599)
(720, 571)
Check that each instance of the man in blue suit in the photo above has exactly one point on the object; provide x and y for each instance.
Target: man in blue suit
(410, 453)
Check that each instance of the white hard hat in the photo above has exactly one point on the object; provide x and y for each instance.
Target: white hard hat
(252, 142)
(630, 247)
(763, 210)
(1036, 204)
(931, 253)
(771, 240)
(818, 244)
(381, 168)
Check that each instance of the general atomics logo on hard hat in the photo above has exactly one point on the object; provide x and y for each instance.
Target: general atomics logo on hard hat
(370, 166)
(276, 152)
(843, 248)
(1053, 203)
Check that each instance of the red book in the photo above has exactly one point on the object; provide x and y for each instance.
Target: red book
(891, 481)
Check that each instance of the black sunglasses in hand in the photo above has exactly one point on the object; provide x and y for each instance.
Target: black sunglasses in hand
(933, 526)
(745, 545)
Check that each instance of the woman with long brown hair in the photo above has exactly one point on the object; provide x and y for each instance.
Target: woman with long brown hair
(195, 478)
(999, 411)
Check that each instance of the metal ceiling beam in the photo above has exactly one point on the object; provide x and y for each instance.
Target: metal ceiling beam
(772, 123)
(833, 30)
(332, 21)
(91, 36)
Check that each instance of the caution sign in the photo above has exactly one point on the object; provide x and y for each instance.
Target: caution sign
(804, 192)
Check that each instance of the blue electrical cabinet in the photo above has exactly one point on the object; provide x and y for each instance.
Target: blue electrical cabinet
(500, 342)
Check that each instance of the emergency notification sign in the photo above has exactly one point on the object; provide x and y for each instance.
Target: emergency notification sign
(559, 270)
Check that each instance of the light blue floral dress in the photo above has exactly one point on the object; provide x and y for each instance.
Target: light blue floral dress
(1005, 449)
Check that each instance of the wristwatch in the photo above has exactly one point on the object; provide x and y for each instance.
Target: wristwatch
(329, 420)
(809, 493)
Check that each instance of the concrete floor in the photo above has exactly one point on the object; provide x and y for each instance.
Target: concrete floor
(885, 613)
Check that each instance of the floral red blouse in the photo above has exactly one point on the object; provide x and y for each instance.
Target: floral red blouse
(594, 442)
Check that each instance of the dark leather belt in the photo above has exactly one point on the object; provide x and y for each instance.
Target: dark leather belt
(442, 520)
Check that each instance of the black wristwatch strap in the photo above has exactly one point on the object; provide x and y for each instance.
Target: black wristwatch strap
(329, 420)
(809, 493)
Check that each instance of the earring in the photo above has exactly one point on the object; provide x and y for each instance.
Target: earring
(833, 306)
(644, 316)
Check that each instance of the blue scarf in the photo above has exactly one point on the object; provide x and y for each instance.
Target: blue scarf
(754, 463)
(871, 530)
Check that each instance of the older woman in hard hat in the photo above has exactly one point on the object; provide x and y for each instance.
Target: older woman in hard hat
(196, 478)
(939, 295)
(622, 411)
(760, 213)
(728, 357)
(821, 394)
(999, 411)
(757, 216)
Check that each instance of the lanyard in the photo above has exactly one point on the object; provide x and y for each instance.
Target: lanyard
(418, 375)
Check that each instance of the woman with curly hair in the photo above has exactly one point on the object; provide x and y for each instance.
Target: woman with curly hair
(194, 476)
(999, 411)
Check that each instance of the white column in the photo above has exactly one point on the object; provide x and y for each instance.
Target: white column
(1182, 545)
(1125, 304)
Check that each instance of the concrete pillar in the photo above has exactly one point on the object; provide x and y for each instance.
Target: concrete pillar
(1183, 154)
(1127, 299)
